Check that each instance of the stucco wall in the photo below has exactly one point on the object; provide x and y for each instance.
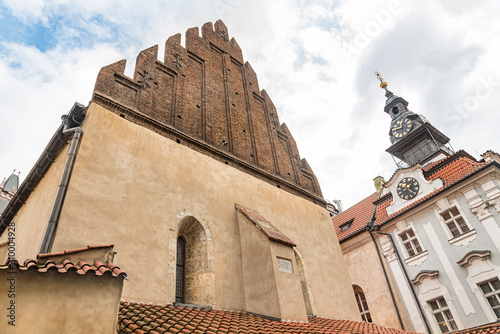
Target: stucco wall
(31, 220)
(61, 303)
(365, 271)
(128, 186)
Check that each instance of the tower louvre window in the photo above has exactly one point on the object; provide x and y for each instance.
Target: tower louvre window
(410, 242)
(443, 315)
(491, 291)
(454, 221)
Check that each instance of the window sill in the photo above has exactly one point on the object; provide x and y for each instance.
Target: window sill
(418, 259)
(463, 239)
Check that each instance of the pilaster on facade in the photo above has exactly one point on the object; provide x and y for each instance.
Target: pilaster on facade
(404, 288)
(449, 270)
(482, 208)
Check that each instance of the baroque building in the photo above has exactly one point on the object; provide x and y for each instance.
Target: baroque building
(435, 232)
(183, 176)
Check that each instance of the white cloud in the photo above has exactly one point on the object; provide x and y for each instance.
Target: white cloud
(434, 54)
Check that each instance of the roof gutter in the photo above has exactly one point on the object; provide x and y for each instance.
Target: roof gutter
(370, 229)
(71, 127)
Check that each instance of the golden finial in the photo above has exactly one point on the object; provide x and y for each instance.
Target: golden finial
(383, 84)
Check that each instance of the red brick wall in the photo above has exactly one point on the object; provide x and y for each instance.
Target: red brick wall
(207, 93)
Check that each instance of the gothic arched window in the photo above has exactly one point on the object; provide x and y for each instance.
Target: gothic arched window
(179, 272)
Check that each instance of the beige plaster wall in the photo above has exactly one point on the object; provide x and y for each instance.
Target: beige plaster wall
(292, 304)
(128, 186)
(61, 303)
(365, 271)
(261, 293)
(31, 220)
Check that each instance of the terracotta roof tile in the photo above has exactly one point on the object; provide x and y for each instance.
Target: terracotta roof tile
(82, 268)
(265, 226)
(450, 170)
(493, 328)
(361, 213)
(204, 321)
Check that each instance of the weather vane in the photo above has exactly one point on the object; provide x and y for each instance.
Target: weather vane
(383, 84)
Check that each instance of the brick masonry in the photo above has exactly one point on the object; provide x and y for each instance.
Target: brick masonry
(205, 96)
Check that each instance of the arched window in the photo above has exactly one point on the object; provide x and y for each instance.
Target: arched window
(192, 259)
(179, 276)
(362, 304)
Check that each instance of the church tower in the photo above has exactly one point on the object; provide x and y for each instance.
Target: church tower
(414, 140)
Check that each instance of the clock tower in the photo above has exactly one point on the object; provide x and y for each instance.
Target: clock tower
(414, 140)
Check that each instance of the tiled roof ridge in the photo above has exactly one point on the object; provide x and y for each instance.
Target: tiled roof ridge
(436, 165)
(271, 232)
(442, 162)
(71, 251)
(383, 198)
(82, 268)
(152, 318)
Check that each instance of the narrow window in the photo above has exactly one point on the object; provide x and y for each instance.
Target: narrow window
(443, 315)
(456, 224)
(179, 278)
(363, 306)
(491, 291)
(410, 242)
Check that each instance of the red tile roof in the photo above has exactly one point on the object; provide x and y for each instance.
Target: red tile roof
(265, 226)
(361, 213)
(82, 268)
(484, 329)
(142, 318)
(450, 170)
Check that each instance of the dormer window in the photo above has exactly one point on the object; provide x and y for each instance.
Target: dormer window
(346, 226)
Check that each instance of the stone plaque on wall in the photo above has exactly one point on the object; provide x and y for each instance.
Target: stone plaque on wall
(285, 265)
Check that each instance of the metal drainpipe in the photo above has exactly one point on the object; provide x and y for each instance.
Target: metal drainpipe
(386, 278)
(376, 229)
(63, 185)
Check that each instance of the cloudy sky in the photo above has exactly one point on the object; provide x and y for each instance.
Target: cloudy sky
(314, 58)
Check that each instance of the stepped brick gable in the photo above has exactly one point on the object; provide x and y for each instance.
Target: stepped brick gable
(205, 96)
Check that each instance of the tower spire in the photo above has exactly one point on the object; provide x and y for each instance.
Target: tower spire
(383, 85)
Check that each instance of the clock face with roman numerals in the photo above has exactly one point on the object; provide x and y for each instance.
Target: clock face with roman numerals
(401, 128)
(408, 188)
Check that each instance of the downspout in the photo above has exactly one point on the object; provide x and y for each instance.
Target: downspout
(370, 229)
(414, 295)
(63, 185)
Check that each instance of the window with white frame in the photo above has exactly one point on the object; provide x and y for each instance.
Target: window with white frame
(410, 242)
(454, 221)
(363, 306)
(442, 314)
(491, 291)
